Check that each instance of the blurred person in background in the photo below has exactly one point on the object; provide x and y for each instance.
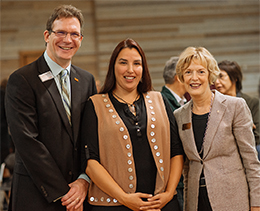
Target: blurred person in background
(6, 149)
(5, 140)
(258, 146)
(174, 91)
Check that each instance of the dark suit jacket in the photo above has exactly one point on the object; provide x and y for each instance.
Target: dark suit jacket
(47, 147)
(174, 105)
(253, 104)
(169, 96)
(230, 163)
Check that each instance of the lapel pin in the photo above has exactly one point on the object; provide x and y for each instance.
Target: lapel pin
(76, 79)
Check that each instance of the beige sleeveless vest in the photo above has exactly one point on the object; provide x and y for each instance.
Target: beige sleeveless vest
(115, 146)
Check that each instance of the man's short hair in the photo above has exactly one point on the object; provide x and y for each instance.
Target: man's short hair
(65, 11)
(169, 70)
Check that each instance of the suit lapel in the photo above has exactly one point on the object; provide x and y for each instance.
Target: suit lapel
(217, 112)
(75, 101)
(188, 136)
(171, 98)
(55, 94)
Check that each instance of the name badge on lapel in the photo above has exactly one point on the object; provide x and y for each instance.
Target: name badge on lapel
(46, 76)
(186, 126)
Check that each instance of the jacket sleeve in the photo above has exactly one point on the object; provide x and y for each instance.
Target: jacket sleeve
(255, 115)
(22, 117)
(242, 130)
(185, 173)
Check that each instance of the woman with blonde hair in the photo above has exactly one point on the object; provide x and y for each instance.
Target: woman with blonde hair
(222, 171)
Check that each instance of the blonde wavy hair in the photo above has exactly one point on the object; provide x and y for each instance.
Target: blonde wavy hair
(204, 57)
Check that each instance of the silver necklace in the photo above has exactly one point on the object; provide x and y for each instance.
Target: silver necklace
(211, 102)
(131, 106)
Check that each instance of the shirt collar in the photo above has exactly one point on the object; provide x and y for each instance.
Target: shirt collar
(180, 100)
(54, 67)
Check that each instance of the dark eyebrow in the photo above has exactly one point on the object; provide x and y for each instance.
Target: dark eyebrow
(122, 59)
(137, 60)
(60, 30)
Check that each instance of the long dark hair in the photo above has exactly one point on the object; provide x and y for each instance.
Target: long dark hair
(110, 82)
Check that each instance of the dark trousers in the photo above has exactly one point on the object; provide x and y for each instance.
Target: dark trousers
(203, 203)
(180, 197)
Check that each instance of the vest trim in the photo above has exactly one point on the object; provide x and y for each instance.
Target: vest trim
(115, 136)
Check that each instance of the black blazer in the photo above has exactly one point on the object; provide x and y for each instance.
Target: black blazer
(47, 147)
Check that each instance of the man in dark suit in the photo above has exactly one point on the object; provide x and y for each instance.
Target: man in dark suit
(44, 117)
(174, 91)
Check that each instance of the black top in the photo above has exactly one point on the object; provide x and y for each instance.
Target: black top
(137, 127)
(199, 124)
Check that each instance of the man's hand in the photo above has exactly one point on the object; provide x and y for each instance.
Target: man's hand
(74, 199)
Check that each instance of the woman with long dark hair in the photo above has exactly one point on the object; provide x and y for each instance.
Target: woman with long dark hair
(133, 151)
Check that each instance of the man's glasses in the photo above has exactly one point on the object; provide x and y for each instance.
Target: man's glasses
(63, 34)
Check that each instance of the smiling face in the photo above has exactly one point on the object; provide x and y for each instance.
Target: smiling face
(61, 50)
(196, 79)
(128, 70)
